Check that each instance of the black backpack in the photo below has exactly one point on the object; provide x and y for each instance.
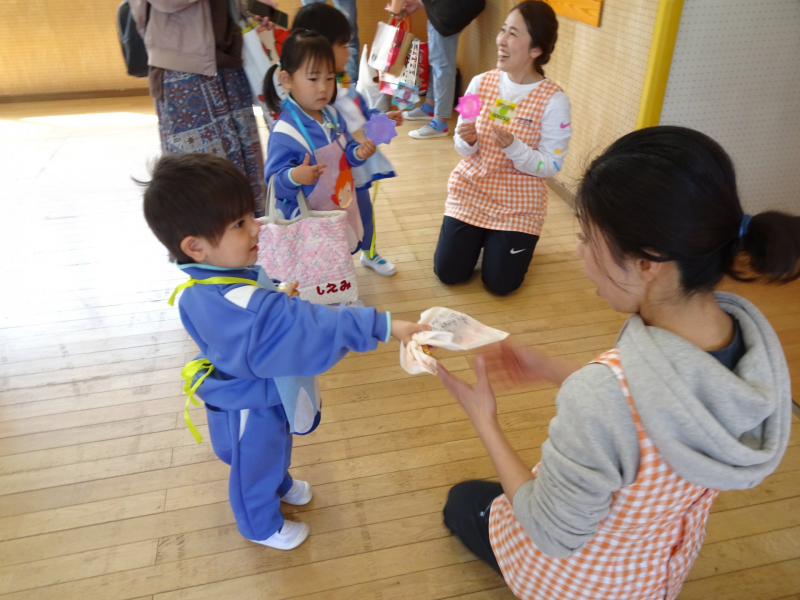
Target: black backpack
(449, 17)
(133, 50)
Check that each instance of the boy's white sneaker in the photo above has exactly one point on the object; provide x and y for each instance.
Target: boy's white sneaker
(417, 115)
(378, 264)
(299, 494)
(290, 536)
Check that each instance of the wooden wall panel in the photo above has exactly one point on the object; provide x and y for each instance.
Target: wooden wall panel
(50, 47)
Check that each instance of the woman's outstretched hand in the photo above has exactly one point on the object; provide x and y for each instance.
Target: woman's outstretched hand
(477, 400)
(528, 365)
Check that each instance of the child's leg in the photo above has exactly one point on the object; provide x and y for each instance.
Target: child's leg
(259, 471)
(369, 254)
(368, 219)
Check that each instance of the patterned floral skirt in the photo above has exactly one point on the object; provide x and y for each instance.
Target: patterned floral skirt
(198, 113)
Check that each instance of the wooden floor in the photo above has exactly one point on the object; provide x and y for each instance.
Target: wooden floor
(103, 492)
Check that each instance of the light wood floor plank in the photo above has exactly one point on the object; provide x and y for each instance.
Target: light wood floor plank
(104, 493)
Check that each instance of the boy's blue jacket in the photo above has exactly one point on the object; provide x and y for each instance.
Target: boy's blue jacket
(252, 334)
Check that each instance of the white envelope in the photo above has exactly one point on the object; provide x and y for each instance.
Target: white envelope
(451, 330)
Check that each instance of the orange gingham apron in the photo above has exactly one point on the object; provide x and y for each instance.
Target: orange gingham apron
(485, 189)
(642, 550)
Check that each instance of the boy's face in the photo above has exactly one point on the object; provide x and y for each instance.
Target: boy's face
(238, 246)
(341, 54)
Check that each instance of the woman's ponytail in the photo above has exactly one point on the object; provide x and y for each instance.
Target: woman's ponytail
(769, 248)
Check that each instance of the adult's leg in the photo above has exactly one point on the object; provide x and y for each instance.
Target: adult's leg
(442, 53)
(259, 471)
(466, 514)
(506, 258)
(457, 251)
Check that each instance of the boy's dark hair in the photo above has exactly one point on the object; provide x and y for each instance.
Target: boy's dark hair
(669, 194)
(194, 194)
(301, 46)
(326, 20)
(540, 18)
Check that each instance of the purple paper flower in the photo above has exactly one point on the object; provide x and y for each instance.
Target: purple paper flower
(469, 106)
(380, 129)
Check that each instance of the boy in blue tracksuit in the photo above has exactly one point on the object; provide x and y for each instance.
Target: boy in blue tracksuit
(251, 336)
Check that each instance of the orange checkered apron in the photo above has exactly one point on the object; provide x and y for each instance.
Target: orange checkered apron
(485, 189)
(642, 550)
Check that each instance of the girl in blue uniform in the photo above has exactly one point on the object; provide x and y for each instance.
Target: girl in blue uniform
(310, 147)
(333, 26)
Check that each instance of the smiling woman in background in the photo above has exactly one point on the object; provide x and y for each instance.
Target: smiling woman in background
(497, 199)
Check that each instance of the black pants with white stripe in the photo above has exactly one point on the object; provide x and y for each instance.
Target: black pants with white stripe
(506, 255)
(466, 514)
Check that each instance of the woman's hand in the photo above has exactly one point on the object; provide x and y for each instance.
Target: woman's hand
(528, 365)
(501, 137)
(307, 174)
(467, 132)
(409, 6)
(264, 22)
(396, 116)
(404, 330)
(481, 407)
(366, 149)
(477, 400)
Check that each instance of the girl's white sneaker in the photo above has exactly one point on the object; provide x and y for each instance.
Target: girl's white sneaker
(378, 264)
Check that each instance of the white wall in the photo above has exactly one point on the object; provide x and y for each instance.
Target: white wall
(736, 76)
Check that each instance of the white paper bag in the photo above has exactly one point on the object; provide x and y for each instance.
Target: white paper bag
(369, 87)
(255, 63)
(451, 330)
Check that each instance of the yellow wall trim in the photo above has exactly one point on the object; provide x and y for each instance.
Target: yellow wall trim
(585, 11)
(665, 32)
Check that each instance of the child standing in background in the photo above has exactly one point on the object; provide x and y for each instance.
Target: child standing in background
(331, 24)
(310, 148)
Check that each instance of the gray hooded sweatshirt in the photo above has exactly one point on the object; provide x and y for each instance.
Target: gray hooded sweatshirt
(715, 427)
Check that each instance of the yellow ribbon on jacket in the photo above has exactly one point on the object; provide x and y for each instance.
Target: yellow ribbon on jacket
(187, 374)
(194, 367)
(209, 281)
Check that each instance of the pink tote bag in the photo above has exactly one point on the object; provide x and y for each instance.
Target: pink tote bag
(311, 249)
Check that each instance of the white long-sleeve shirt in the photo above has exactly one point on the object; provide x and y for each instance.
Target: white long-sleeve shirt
(548, 157)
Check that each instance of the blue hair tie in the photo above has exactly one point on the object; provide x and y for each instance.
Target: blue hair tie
(745, 225)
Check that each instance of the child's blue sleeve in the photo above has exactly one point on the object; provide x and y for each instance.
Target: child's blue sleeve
(365, 109)
(284, 153)
(352, 146)
(289, 336)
